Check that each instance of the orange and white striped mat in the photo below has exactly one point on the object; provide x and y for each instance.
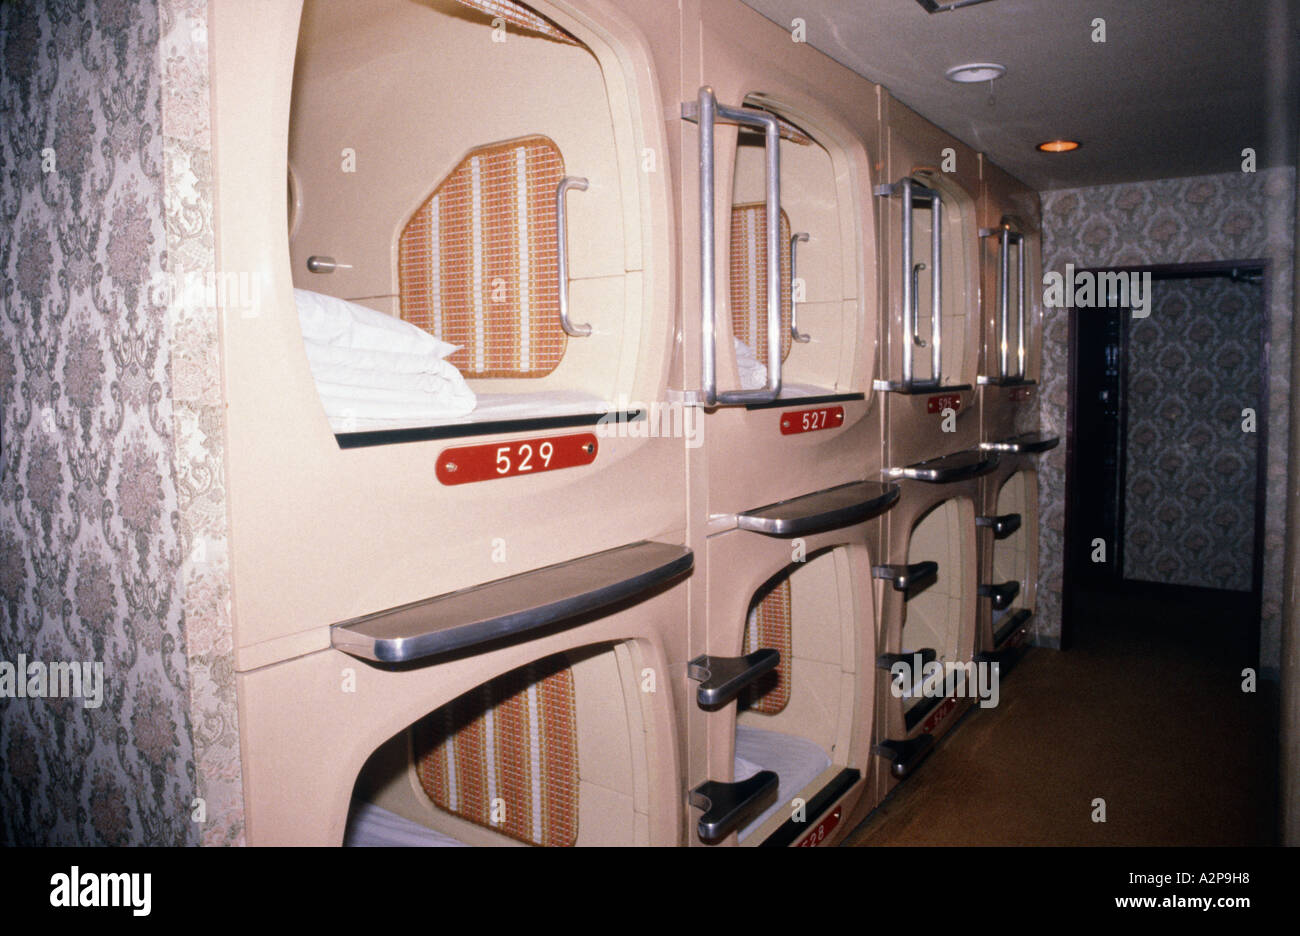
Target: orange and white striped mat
(749, 278)
(769, 627)
(477, 261)
(505, 755)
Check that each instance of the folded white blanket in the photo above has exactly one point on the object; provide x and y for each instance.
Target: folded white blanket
(364, 359)
(329, 320)
(368, 365)
(436, 378)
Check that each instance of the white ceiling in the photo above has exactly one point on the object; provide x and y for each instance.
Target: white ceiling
(1179, 87)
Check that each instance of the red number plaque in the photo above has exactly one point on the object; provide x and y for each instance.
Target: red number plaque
(937, 404)
(470, 463)
(942, 711)
(828, 417)
(821, 830)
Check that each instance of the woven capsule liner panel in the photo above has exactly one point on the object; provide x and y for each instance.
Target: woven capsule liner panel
(521, 16)
(749, 278)
(513, 740)
(477, 261)
(769, 627)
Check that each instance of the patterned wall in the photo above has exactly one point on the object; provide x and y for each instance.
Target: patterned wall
(90, 558)
(1223, 217)
(1189, 488)
(197, 417)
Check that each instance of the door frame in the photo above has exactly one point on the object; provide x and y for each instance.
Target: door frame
(1165, 271)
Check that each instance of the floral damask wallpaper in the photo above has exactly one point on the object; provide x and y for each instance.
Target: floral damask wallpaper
(112, 493)
(1189, 489)
(1234, 216)
(197, 412)
(90, 559)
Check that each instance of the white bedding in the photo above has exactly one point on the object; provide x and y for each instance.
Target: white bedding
(488, 407)
(371, 826)
(753, 375)
(797, 762)
(371, 366)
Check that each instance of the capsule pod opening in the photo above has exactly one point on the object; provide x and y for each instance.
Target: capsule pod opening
(471, 172)
(798, 720)
(553, 754)
(819, 281)
(406, 391)
(1014, 555)
(937, 616)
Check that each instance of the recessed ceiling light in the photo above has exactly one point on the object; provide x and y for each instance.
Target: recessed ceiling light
(1058, 146)
(975, 72)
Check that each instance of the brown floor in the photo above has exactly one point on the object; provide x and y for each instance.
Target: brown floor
(1145, 711)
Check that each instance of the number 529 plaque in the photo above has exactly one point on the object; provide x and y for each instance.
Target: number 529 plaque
(469, 463)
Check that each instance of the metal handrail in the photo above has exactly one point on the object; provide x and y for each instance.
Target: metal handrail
(706, 111)
(562, 253)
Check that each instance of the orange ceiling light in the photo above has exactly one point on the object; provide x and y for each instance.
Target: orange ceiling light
(1058, 146)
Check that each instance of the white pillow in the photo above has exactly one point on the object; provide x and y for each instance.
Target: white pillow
(332, 321)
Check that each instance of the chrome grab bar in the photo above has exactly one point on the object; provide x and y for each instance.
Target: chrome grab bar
(916, 279)
(562, 253)
(795, 241)
(1006, 237)
(1021, 344)
(910, 190)
(706, 111)
(936, 284)
(1004, 300)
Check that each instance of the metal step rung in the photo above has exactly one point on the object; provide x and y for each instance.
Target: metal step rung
(1002, 594)
(886, 661)
(911, 580)
(1017, 621)
(721, 679)
(903, 756)
(727, 806)
(1002, 526)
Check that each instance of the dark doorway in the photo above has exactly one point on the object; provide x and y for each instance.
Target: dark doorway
(1165, 456)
